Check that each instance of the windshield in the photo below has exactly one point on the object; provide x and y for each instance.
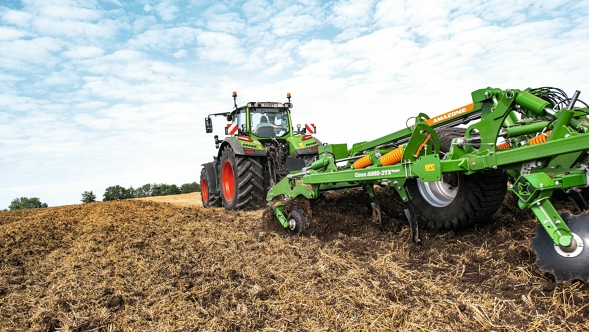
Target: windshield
(269, 122)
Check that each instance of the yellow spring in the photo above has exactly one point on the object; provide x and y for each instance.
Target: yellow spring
(392, 157)
(362, 162)
(541, 138)
(504, 145)
(389, 158)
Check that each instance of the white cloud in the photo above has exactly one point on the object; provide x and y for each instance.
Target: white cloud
(56, 79)
(352, 13)
(93, 122)
(9, 77)
(78, 31)
(166, 10)
(83, 52)
(21, 54)
(295, 20)
(68, 12)
(220, 47)
(180, 54)
(229, 23)
(16, 17)
(15, 103)
(172, 38)
(11, 34)
(147, 8)
(142, 23)
(257, 11)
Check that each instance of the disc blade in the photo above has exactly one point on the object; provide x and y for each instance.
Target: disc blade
(549, 258)
(302, 214)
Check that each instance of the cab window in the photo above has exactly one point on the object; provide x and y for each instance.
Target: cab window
(269, 122)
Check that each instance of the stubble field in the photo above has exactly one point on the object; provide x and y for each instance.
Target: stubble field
(167, 264)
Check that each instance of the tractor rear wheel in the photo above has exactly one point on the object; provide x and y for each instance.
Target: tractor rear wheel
(208, 198)
(458, 200)
(241, 181)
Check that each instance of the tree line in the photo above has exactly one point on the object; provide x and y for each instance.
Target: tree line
(113, 193)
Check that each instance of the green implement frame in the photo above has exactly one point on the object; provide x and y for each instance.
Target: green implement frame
(543, 146)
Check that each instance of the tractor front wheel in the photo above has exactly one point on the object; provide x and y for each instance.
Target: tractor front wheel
(241, 181)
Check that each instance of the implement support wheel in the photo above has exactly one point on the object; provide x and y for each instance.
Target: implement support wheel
(457, 200)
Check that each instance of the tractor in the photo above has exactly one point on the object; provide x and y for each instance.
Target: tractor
(454, 170)
(261, 147)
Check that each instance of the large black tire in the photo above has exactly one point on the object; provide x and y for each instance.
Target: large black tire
(241, 181)
(458, 200)
(209, 199)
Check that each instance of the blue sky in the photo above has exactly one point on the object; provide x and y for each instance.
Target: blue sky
(100, 93)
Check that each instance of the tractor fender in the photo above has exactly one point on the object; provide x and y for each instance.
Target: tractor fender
(309, 150)
(213, 176)
(238, 148)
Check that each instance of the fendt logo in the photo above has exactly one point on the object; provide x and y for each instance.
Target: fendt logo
(451, 114)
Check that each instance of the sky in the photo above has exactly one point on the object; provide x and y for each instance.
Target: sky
(97, 93)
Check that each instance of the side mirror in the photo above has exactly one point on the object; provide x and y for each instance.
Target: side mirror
(209, 125)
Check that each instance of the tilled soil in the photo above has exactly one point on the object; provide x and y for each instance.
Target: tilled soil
(139, 265)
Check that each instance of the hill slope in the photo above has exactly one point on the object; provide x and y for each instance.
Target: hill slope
(146, 265)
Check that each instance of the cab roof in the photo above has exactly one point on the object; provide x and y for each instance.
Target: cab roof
(266, 104)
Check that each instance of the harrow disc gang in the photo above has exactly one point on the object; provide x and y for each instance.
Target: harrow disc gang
(566, 264)
(296, 221)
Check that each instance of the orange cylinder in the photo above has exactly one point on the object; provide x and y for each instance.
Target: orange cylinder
(362, 162)
(392, 157)
(422, 145)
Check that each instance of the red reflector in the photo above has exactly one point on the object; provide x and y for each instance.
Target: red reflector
(249, 151)
(245, 138)
(315, 149)
(306, 137)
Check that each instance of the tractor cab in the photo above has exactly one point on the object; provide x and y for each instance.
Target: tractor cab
(269, 122)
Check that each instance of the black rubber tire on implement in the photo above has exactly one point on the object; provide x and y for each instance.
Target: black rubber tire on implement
(208, 198)
(458, 200)
(241, 181)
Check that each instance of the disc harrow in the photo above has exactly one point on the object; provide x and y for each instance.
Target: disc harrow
(453, 170)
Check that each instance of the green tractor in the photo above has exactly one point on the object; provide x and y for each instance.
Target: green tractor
(261, 147)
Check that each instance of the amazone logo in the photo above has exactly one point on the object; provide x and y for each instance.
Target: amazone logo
(451, 114)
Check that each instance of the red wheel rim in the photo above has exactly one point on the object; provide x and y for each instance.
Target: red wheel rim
(204, 190)
(228, 179)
